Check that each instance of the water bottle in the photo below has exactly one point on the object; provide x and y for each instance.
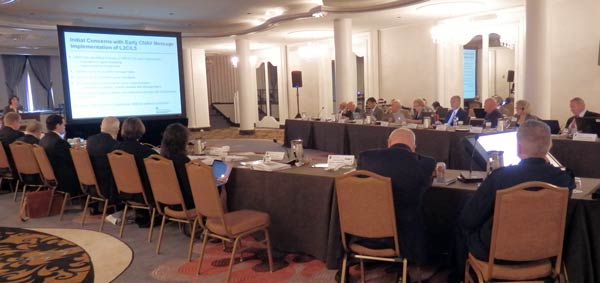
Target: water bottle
(455, 121)
(267, 158)
(323, 114)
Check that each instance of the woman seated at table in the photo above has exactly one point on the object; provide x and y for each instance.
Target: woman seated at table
(418, 111)
(13, 105)
(174, 147)
(522, 110)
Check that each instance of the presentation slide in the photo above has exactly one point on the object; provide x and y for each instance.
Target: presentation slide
(123, 75)
(470, 73)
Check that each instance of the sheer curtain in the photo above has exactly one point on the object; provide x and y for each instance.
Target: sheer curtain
(14, 67)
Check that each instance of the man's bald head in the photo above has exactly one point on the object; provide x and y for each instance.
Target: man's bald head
(402, 136)
(110, 125)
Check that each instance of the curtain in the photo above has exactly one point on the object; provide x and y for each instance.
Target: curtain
(14, 67)
(40, 66)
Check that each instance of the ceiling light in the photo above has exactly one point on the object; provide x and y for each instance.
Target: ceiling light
(451, 8)
(319, 14)
(6, 2)
(273, 13)
(310, 34)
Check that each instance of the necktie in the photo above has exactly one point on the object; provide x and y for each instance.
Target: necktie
(452, 117)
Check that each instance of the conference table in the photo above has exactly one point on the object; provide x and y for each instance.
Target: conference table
(443, 146)
(304, 219)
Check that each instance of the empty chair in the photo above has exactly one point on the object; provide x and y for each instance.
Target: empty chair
(88, 182)
(128, 181)
(27, 167)
(528, 231)
(167, 195)
(366, 209)
(5, 170)
(231, 226)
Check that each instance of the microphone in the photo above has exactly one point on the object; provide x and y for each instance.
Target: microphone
(470, 177)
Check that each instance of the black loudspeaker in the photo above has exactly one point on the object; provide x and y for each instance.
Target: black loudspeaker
(510, 77)
(296, 79)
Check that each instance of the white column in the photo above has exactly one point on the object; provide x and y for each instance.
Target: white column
(485, 71)
(345, 61)
(247, 94)
(537, 76)
(196, 90)
(441, 71)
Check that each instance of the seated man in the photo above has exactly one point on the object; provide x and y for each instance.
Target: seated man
(9, 133)
(373, 109)
(395, 113)
(33, 133)
(59, 155)
(98, 146)
(352, 112)
(577, 106)
(492, 114)
(456, 112)
(475, 222)
(410, 174)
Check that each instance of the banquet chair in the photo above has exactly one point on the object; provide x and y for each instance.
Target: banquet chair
(128, 181)
(230, 226)
(27, 167)
(167, 194)
(221, 170)
(527, 235)
(366, 209)
(5, 169)
(49, 179)
(88, 183)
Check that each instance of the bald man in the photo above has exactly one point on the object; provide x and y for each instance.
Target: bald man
(475, 222)
(492, 114)
(577, 106)
(98, 146)
(411, 176)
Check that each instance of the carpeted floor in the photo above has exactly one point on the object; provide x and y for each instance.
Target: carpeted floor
(233, 133)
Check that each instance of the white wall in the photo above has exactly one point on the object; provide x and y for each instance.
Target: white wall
(503, 60)
(574, 38)
(407, 64)
(196, 91)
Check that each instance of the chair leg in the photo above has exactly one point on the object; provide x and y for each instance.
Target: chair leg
(232, 260)
(23, 194)
(192, 236)
(343, 271)
(362, 270)
(123, 219)
(62, 208)
(404, 270)
(103, 214)
(204, 241)
(87, 202)
(16, 191)
(151, 228)
(160, 234)
(269, 252)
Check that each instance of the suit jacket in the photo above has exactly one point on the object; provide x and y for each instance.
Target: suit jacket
(410, 174)
(140, 152)
(98, 146)
(7, 136)
(461, 114)
(493, 117)
(477, 215)
(59, 155)
(179, 161)
(588, 114)
(30, 139)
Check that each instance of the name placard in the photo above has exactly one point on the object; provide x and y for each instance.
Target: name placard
(338, 161)
(476, 130)
(442, 128)
(384, 123)
(276, 155)
(412, 126)
(585, 137)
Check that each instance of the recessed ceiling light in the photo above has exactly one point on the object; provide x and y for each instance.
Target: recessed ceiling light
(6, 2)
(310, 34)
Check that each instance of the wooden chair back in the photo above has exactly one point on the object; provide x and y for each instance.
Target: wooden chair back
(163, 182)
(24, 159)
(84, 169)
(4, 164)
(204, 190)
(44, 165)
(125, 173)
(529, 223)
(366, 206)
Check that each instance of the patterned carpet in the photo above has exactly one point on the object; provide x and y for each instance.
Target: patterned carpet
(60, 255)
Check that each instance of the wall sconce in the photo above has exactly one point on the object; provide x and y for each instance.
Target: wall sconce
(234, 61)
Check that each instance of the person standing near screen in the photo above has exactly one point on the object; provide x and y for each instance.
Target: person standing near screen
(13, 105)
(577, 106)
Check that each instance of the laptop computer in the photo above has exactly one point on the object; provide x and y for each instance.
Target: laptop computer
(477, 122)
(479, 113)
(554, 126)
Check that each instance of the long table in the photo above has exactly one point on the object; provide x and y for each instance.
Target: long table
(304, 217)
(445, 146)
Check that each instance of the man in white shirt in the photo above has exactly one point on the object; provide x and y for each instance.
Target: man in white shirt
(455, 111)
(577, 106)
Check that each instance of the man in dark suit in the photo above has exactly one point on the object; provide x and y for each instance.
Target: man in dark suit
(33, 132)
(475, 221)
(410, 174)
(8, 134)
(59, 155)
(492, 114)
(352, 112)
(98, 146)
(456, 111)
(577, 106)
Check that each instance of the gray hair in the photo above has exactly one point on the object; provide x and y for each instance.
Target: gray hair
(110, 125)
(534, 138)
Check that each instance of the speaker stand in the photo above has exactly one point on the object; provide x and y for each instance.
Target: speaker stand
(298, 104)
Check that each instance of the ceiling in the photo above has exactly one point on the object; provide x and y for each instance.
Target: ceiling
(29, 26)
